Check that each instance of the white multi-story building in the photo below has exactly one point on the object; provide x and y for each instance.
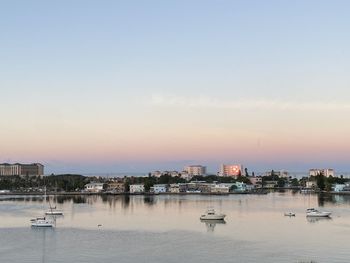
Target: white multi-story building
(94, 187)
(326, 172)
(137, 188)
(194, 170)
(234, 170)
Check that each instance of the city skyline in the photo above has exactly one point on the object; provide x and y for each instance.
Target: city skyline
(134, 87)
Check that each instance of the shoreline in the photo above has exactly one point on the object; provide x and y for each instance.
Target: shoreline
(261, 191)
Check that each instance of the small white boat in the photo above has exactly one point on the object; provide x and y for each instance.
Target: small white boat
(211, 215)
(42, 222)
(289, 214)
(312, 212)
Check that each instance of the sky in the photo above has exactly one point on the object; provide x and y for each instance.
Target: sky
(136, 86)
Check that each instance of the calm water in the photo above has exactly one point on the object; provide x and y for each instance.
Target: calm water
(166, 228)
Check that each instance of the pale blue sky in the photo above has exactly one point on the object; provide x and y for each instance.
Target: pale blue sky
(102, 79)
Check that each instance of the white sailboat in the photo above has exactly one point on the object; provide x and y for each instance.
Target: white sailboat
(43, 221)
(53, 210)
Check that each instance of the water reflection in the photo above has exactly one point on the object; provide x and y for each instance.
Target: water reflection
(318, 219)
(41, 233)
(210, 224)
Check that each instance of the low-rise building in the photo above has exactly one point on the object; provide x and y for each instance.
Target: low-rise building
(94, 187)
(178, 188)
(338, 187)
(310, 184)
(270, 184)
(199, 186)
(239, 187)
(220, 189)
(116, 187)
(159, 188)
(256, 181)
(137, 188)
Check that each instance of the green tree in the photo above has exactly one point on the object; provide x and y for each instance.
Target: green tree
(320, 181)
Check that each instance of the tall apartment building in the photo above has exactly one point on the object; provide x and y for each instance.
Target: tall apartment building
(326, 172)
(194, 170)
(34, 169)
(234, 170)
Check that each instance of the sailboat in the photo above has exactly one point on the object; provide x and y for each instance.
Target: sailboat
(43, 221)
(53, 210)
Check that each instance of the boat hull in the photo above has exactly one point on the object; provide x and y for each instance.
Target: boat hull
(42, 225)
(212, 217)
(319, 214)
(54, 213)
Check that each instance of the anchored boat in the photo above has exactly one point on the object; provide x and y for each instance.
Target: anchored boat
(211, 215)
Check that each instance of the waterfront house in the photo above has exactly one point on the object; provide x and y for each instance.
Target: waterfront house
(310, 184)
(270, 184)
(159, 188)
(239, 187)
(256, 181)
(94, 187)
(137, 188)
(220, 189)
(341, 187)
(178, 188)
(199, 186)
(116, 187)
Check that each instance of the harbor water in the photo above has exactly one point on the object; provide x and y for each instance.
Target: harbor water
(166, 228)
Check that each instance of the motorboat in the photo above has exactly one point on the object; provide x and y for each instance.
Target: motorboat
(211, 215)
(289, 214)
(42, 222)
(312, 212)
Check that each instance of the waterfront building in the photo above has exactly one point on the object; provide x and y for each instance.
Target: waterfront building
(94, 187)
(178, 188)
(116, 187)
(240, 187)
(195, 170)
(234, 170)
(159, 188)
(199, 186)
(256, 181)
(326, 172)
(281, 173)
(271, 184)
(156, 173)
(137, 188)
(338, 187)
(310, 184)
(185, 176)
(34, 169)
(220, 189)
